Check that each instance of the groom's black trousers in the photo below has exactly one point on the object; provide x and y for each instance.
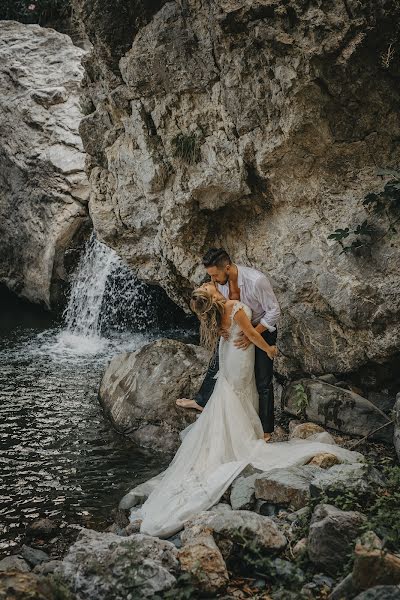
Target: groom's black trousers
(263, 371)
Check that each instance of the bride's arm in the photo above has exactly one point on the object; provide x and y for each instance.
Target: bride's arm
(252, 334)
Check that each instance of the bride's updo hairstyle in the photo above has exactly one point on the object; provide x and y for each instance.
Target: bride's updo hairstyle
(209, 310)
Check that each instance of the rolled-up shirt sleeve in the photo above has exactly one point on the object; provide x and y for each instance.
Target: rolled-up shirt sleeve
(267, 299)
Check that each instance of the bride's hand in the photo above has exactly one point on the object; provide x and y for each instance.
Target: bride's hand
(242, 342)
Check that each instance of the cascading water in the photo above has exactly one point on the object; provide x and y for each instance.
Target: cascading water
(83, 313)
(105, 298)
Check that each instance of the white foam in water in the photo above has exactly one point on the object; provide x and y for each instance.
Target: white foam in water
(86, 312)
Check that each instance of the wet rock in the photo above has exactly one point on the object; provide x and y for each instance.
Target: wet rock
(43, 186)
(338, 409)
(14, 563)
(396, 436)
(34, 556)
(357, 477)
(288, 487)
(373, 565)
(139, 389)
(42, 528)
(201, 557)
(331, 536)
(380, 592)
(104, 565)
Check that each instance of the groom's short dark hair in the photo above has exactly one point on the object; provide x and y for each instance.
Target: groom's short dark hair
(216, 257)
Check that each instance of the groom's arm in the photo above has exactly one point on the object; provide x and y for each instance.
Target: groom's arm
(266, 297)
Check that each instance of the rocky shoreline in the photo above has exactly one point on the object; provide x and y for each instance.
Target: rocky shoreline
(322, 530)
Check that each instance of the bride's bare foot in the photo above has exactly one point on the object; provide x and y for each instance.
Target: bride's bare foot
(187, 403)
(267, 437)
(273, 352)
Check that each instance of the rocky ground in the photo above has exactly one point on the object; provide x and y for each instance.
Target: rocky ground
(318, 531)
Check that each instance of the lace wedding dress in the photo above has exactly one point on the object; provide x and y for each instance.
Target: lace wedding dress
(226, 437)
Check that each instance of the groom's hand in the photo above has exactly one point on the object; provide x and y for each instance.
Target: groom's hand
(223, 332)
(242, 341)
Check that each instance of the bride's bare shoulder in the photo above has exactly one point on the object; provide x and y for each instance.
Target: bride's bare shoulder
(230, 306)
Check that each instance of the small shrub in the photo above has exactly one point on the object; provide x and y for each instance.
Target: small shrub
(187, 147)
(301, 400)
(41, 12)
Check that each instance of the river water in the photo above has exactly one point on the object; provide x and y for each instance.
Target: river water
(59, 456)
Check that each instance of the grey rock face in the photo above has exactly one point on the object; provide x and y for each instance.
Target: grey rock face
(338, 408)
(259, 127)
(104, 565)
(332, 535)
(43, 186)
(396, 436)
(139, 389)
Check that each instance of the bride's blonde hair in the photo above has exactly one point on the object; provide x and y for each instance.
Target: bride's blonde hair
(209, 310)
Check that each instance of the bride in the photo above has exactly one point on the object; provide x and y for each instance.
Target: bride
(228, 434)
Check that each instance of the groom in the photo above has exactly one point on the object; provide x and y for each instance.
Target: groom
(253, 288)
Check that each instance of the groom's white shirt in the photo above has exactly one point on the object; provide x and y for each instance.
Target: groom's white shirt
(256, 291)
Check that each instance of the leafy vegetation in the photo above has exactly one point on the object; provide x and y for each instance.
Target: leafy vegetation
(186, 146)
(383, 207)
(41, 12)
(301, 400)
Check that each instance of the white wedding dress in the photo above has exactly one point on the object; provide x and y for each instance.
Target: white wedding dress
(226, 437)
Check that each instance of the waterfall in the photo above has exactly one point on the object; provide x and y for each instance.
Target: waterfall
(84, 310)
(105, 298)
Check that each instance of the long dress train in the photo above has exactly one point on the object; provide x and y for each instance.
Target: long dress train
(226, 437)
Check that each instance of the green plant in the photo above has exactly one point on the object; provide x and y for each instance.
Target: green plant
(59, 589)
(384, 206)
(184, 589)
(301, 400)
(35, 11)
(186, 146)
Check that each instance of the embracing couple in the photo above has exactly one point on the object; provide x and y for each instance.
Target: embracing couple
(231, 283)
(238, 312)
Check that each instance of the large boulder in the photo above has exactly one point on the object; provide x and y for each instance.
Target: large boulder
(104, 565)
(43, 186)
(358, 478)
(261, 127)
(332, 536)
(287, 487)
(233, 528)
(336, 407)
(139, 389)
